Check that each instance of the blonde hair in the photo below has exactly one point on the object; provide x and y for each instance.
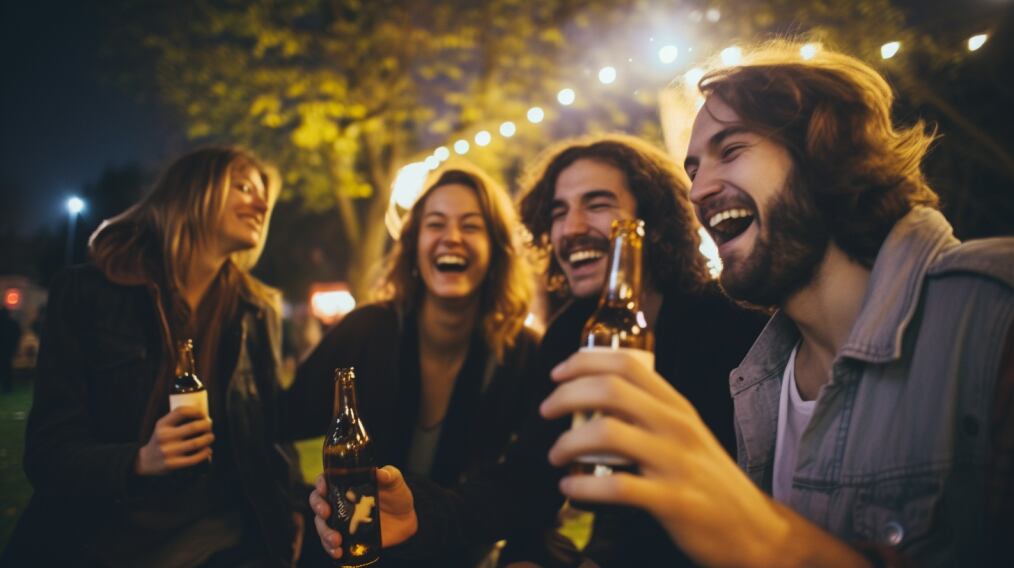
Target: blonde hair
(505, 293)
(153, 241)
(159, 234)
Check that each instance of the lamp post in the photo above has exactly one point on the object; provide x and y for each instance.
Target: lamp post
(74, 206)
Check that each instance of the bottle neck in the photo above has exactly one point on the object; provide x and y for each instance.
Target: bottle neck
(344, 395)
(185, 359)
(623, 282)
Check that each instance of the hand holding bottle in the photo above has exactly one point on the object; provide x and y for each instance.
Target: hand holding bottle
(687, 481)
(181, 439)
(397, 511)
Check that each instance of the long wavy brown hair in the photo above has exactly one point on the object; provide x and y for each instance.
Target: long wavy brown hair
(506, 292)
(151, 243)
(833, 114)
(662, 192)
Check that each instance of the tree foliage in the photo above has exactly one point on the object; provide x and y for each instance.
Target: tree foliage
(342, 93)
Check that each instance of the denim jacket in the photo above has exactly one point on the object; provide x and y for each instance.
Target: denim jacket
(898, 448)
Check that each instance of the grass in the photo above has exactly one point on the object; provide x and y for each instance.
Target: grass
(14, 488)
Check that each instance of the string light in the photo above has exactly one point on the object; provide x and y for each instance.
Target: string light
(668, 54)
(976, 41)
(607, 75)
(809, 51)
(442, 153)
(566, 97)
(432, 162)
(461, 147)
(507, 129)
(535, 115)
(889, 50)
(483, 138)
(731, 56)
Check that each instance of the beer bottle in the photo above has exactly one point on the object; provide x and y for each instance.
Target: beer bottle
(618, 323)
(351, 477)
(187, 389)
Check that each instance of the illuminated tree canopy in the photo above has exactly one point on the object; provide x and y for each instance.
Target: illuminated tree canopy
(342, 93)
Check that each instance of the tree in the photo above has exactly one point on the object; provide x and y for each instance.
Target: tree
(342, 93)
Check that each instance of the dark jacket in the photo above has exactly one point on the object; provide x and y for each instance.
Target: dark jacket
(699, 338)
(101, 349)
(482, 417)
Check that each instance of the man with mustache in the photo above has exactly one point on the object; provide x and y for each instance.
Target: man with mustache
(571, 197)
(874, 413)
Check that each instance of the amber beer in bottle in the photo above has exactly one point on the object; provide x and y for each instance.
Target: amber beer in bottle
(351, 477)
(618, 324)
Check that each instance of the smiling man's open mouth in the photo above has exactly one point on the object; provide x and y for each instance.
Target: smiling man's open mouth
(728, 223)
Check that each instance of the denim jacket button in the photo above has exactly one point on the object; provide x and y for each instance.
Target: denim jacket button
(894, 533)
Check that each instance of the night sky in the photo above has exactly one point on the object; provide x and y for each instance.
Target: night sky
(63, 120)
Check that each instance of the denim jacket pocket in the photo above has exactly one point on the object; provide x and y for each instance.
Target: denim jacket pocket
(897, 513)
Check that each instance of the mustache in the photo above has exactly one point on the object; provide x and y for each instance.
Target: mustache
(580, 242)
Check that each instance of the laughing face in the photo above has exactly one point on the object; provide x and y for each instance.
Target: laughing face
(588, 197)
(769, 233)
(453, 253)
(246, 209)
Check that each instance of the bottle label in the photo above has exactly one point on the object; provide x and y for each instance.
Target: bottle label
(197, 399)
(355, 513)
(579, 418)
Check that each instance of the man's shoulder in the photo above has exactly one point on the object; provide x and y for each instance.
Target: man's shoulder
(991, 258)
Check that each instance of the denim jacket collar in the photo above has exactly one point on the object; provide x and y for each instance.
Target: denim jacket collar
(891, 298)
(895, 285)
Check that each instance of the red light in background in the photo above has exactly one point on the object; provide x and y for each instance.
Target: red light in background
(12, 298)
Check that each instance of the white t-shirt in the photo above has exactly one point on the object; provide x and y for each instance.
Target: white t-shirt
(793, 415)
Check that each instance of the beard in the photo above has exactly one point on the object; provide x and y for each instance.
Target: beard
(787, 254)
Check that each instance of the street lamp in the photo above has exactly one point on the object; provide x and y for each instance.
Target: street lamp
(75, 205)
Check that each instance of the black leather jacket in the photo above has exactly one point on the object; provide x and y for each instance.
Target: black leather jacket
(101, 350)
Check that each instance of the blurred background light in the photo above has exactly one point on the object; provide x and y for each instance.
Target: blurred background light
(461, 147)
(607, 75)
(535, 115)
(483, 138)
(668, 54)
(889, 50)
(566, 97)
(442, 153)
(976, 41)
(507, 129)
(408, 183)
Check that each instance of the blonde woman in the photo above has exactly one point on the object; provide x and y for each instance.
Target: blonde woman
(119, 479)
(441, 359)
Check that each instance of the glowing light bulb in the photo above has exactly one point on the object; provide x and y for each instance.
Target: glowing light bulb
(976, 41)
(461, 147)
(535, 115)
(889, 50)
(668, 54)
(566, 97)
(483, 138)
(507, 129)
(607, 75)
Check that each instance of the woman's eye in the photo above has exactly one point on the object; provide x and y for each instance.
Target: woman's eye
(244, 187)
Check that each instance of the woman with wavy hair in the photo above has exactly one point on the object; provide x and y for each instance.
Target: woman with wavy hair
(440, 357)
(101, 442)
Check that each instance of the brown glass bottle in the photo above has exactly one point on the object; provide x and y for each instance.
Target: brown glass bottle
(351, 477)
(187, 389)
(618, 323)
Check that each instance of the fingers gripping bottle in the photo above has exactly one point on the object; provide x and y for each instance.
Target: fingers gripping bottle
(617, 324)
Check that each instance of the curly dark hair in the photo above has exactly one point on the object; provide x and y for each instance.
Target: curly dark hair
(660, 189)
(833, 114)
